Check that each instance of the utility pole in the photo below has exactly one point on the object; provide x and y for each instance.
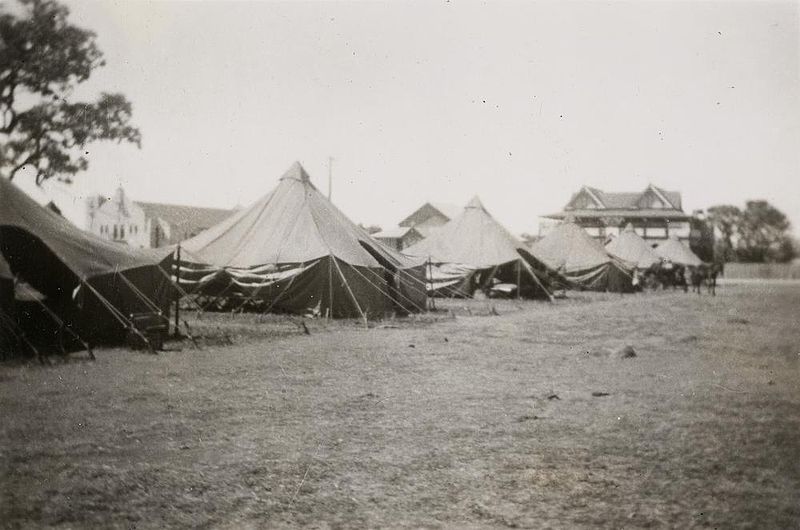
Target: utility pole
(330, 176)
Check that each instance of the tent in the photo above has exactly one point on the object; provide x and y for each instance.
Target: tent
(7, 327)
(568, 249)
(89, 287)
(294, 251)
(678, 253)
(473, 250)
(632, 250)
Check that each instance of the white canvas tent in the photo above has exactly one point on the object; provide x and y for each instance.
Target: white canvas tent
(677, 252)
(632, 250)
(473, 250)
(568, 249)
(294, 251)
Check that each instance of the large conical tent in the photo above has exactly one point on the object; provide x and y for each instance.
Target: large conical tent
(294, 251)
(568, 249)
(632, 250)
(473, 249)
(673, 250)
(91, 284)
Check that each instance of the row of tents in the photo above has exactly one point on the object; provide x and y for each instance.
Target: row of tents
(291, 251)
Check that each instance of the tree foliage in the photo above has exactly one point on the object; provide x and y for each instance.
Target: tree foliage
(758, 233)
(42, 59)
(725, 218)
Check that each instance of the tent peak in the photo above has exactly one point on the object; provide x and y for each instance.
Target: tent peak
(475, 202)
(296, 172)
(628, 228)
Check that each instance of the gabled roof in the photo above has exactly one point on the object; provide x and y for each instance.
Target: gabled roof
(293, 223)
(449, 211)
(632, 249)
(628, 200)
(186, 218)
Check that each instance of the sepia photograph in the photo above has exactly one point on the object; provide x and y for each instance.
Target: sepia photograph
(399, 264)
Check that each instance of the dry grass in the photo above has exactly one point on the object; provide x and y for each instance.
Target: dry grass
(478, 421)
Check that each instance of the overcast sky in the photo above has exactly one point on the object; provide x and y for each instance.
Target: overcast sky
(519, 103)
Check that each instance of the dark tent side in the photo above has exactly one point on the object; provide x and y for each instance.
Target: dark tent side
(473, 251)
(294, 251)
(582, 260)
(91, 285)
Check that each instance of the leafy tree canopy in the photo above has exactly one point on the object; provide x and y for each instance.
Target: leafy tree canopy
(757, 233)
(42, 59)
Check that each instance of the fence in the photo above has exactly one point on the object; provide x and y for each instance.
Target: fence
(762, 271)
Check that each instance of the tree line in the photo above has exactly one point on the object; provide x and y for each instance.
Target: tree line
(759, 232)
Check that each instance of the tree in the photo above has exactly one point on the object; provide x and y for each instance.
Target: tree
(42, 59)
(701, 237)
(725, 218)
(764, 234)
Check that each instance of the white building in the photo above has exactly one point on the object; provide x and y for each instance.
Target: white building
(120, 219)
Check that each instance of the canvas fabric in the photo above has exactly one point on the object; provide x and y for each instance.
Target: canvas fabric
(74, 270)
(294, 251)
(582, 260)
(677, 252)
(632, 250)
(472, 244)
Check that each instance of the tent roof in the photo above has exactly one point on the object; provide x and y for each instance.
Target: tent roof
(473, 237)
(568, 248)
(632, 249)
(293, 223)
(83, 253)
(677, 252)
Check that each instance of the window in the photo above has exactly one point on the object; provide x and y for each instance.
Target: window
(115, 231)
(122, 231)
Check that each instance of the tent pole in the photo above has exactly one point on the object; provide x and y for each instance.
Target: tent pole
(352, 296)
(58, 320)
(538, 282)
(429, 293)
(329, 312)
(176, 332)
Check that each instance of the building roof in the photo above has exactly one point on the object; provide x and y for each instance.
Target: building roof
(623, 204)
(186, 218)
(449, 211)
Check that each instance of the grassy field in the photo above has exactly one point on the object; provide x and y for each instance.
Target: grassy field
(528, 418)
